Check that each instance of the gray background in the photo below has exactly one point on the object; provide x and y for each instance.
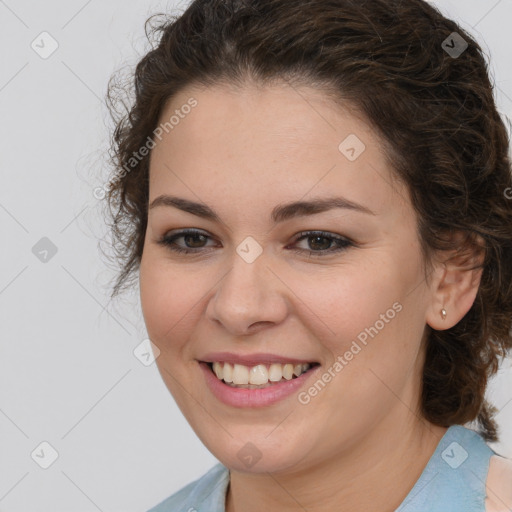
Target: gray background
(67, 368)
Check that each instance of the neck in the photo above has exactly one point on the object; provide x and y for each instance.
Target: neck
(375, 475)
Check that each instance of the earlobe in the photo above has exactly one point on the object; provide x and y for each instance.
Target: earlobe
(455, 286)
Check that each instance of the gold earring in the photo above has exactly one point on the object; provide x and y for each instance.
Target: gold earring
(443, 313)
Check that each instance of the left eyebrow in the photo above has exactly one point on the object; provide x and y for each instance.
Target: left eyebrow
(279, 214)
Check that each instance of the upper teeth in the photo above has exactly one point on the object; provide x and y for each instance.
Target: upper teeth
(259, 374)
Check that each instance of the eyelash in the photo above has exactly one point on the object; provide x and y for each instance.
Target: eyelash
(344, 243)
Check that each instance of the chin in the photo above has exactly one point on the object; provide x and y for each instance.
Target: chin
(249, 452)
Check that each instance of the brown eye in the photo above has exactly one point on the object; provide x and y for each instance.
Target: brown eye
(194, 241)
(321, 242)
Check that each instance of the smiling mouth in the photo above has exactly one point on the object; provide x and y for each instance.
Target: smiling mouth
(259, 376)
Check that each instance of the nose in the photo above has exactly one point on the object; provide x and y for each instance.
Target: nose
(250, 297)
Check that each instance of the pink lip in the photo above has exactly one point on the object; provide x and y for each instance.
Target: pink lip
(241, 397)
(251, 359)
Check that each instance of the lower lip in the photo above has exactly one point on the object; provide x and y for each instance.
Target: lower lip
(242, 397)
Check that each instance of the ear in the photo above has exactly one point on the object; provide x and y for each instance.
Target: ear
(455, 281)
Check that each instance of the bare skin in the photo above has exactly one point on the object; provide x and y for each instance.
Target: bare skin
(499, 485)
(361, 443)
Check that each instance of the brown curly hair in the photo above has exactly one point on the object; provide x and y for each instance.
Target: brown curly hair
(434, 111)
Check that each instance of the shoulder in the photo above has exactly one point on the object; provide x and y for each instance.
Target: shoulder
(499, 485)
(208, 490)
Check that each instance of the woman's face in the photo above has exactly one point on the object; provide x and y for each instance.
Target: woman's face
(249, 288)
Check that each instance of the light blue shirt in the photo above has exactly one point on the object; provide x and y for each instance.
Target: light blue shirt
(453, 480)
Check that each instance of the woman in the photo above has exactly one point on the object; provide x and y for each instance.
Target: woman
(315, 195)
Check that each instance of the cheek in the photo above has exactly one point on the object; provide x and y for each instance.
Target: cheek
(376, 353)
(344, 301)
(362, 313)
(169, 299)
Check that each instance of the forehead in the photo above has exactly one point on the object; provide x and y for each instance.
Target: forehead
(278, 139)
(264, 114)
